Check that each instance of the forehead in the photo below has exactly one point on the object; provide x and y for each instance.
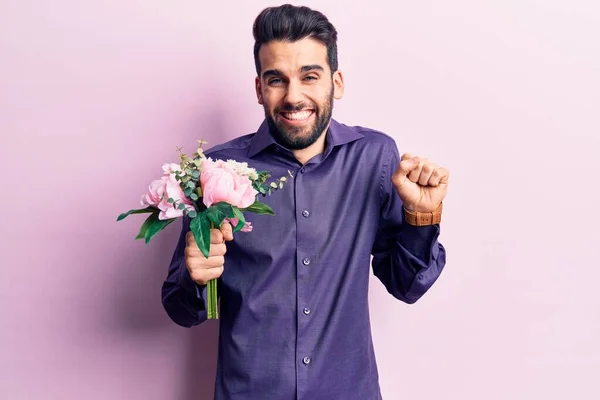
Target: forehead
(289, 57)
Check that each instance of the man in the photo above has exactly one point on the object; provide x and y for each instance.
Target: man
(294, 318)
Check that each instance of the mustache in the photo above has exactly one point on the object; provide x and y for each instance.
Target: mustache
(294, 108)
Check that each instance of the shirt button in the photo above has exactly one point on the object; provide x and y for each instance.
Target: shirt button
(306, 261)
(305, 213)
(306, 360)
(302, 170)
(306, 310)
(420, 277)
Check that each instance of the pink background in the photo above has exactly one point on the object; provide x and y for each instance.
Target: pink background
(95, 95)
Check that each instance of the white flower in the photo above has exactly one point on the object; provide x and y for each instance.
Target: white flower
(241, 168)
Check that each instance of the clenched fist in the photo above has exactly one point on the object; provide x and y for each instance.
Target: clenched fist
(421, 184)
(204, 269)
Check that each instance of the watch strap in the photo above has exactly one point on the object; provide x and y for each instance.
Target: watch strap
(417, 218)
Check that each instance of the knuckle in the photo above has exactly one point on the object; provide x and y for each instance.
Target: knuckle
(216, 236)
(216, 261)
(191, 264)
(196, 276)
(191, 245)
(191, 251)
(219, 261)
(221, 249)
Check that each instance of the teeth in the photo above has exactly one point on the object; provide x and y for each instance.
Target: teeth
(297, 115)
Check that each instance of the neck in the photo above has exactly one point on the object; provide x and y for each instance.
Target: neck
(318, 147)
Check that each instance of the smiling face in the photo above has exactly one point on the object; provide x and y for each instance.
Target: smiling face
(296, 88)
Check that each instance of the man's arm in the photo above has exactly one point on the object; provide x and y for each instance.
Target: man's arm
(182, 298)
(407, 259)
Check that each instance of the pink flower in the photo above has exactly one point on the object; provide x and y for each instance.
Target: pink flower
(171, 168)
(155, 193)
(234, 221)
(164, 188)
(221, 183)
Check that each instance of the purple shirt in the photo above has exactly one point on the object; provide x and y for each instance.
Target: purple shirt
(294, 315)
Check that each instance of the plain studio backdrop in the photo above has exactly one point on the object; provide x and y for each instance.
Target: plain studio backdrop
(96, 95)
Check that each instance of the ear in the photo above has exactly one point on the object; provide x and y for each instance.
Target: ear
(258, 90)
(338, 85)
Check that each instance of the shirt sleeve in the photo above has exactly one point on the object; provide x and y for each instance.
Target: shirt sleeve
(183, 299)
(407, 259)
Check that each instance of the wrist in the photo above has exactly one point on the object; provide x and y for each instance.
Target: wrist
(419, 218)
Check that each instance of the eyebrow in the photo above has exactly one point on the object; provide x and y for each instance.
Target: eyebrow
(315, 67)
(306, 68)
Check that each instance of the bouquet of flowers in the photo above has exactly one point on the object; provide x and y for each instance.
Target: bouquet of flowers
(209, 192)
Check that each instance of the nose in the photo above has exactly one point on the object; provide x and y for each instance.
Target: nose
(293, 94)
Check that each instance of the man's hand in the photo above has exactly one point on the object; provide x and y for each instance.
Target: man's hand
(421, 184)
(204, 269)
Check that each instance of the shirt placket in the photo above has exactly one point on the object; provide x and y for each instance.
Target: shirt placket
(304, 262)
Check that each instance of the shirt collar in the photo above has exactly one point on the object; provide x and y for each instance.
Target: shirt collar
(338, 134)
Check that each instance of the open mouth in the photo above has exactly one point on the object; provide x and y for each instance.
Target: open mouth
(297, 117)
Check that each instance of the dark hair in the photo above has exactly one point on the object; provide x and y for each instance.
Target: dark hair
(290, 23)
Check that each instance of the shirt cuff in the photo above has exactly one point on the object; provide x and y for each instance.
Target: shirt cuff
(195, 291)
(421, 241)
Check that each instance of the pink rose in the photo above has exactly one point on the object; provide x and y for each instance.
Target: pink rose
(221, 183)
(234, 221)
(155, 193)
(161, 189)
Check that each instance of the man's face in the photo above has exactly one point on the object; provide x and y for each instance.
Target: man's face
(296, 89)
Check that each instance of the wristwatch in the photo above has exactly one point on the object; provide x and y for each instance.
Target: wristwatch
(417, 218)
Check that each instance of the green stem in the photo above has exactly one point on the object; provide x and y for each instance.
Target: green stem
(211, 295)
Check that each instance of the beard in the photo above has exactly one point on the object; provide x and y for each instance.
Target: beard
(294, 138)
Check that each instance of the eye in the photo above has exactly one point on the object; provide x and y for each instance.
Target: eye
(310, 78)
(275, 81)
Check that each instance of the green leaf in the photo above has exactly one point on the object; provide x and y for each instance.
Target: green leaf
(191, 185)
(215, 215)
(194, 196)
(259, 208)
(241, 220)
(200, 227)
(149, 221)
(156, 227)
(225, 208)
(193, 214)
(196, 174)
(273, 185)
(149, 209)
